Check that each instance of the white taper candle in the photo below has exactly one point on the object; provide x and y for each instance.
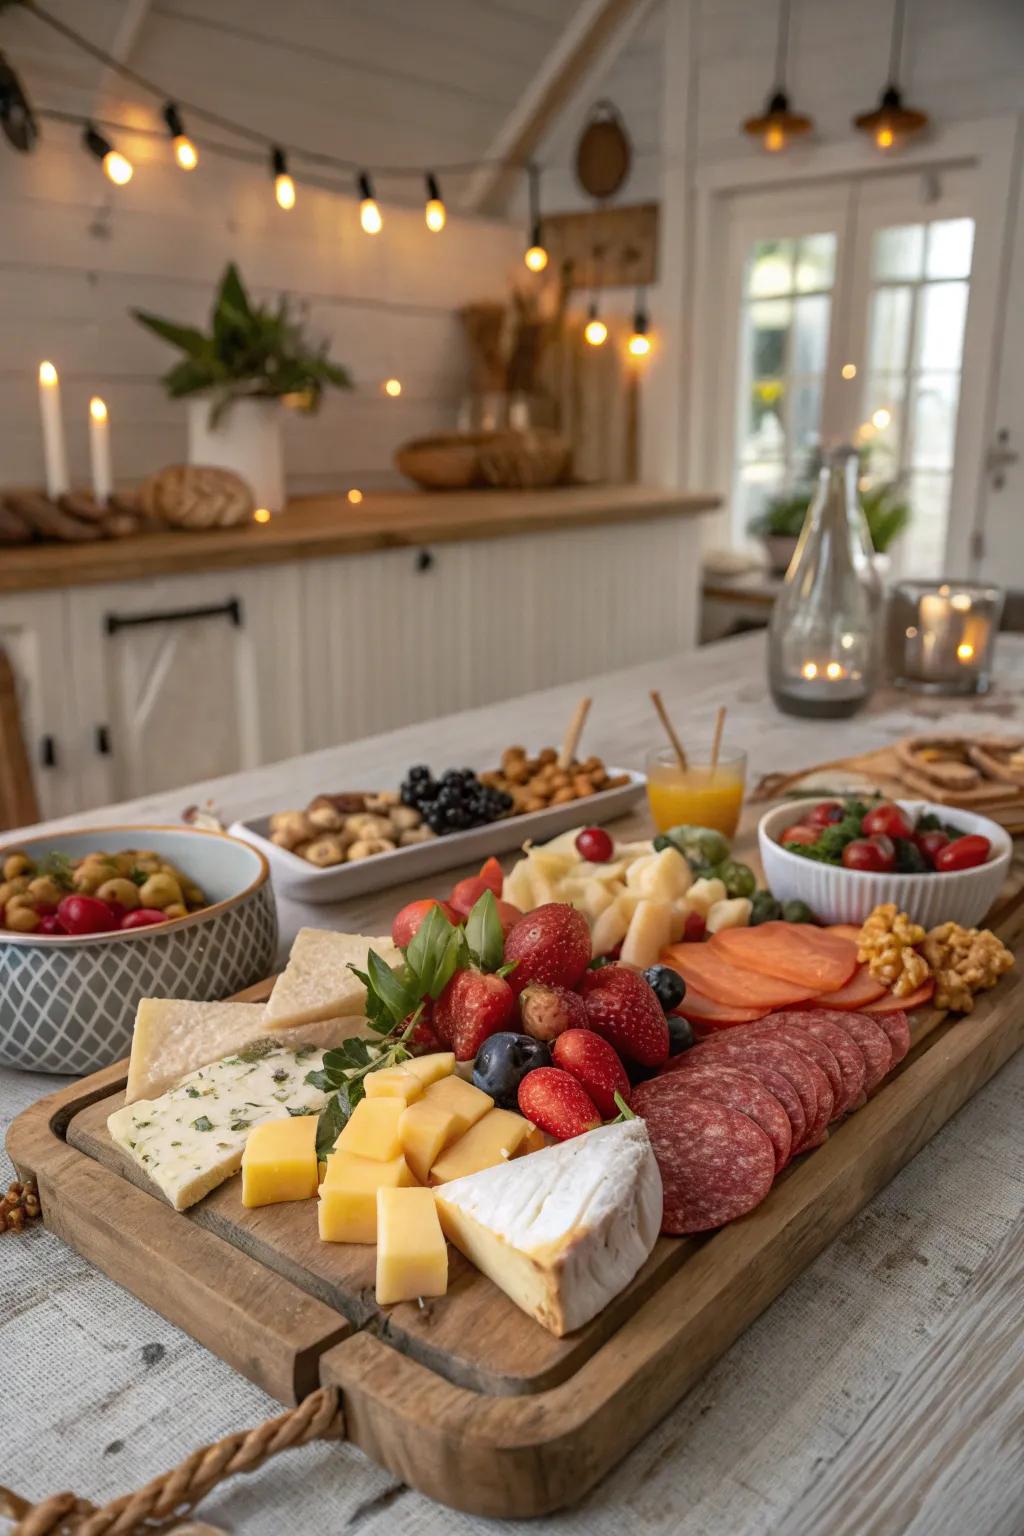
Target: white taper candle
(54, 451)
(99, 450)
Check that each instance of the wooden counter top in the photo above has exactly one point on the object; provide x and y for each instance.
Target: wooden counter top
(314, 526)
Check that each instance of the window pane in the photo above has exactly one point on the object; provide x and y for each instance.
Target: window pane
(933, 421)
(763, 435)
(815, 262)
(925, 540)
(899, 252)
(770, 269)
(811, 334)
(769, 323)
(889, 329)
(883, 412)
(950, 243)
(804, 422)
(757, 483)
(942, 310)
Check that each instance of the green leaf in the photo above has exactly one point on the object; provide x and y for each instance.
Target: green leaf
(484, 934)
(298, 1111)
(625, 1113)
(325, 1081)
(425, 957)
(187, 337)
(394, 996)
(232, 294)
(330, 1126)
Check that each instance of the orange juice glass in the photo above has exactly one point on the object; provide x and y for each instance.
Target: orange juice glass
(697, 795)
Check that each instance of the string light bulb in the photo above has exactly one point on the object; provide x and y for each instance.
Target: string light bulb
(595, 331)
(369, 210)
(284, 186)
(393, 387)
(891, 122)
(435, 213)
(185, 152)
(116, 166)
(778, 125)
(535, 256)
(639, 343)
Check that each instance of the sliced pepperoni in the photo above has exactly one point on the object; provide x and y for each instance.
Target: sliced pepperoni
(862, 988)
(715, 1163)
(897, 1028)
(740, 1090)
(704, 1010)
(873, 1042)
(714, 976)
(795, 952)
(778, 1027)
(848, 1054)
(769, 1077)
(793, 1064)
(890, 1003)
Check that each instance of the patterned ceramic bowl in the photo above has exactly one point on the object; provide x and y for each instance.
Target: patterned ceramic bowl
(68, 1004)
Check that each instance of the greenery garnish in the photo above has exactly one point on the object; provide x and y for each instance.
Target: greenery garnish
(60, 870)
(625, 1113)
(204, 1123)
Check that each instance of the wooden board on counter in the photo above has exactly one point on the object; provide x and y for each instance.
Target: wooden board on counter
(315, 526)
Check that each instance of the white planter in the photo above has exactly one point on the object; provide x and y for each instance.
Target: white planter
(248, 440)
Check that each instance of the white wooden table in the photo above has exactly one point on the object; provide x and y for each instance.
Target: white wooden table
(881, 1395)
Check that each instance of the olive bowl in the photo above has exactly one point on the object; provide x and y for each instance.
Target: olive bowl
(67, 1002)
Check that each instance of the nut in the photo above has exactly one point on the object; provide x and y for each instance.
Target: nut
(325, 851)
(290, 827)
(326, 818)
(404, 818)
(887, 946)
(380, 802)
(366, 847)
(414, 835)
(366, 826)
(965, 961)
(21, 919)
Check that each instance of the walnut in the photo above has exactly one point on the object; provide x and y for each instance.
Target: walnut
(886, 946)
(965, 961)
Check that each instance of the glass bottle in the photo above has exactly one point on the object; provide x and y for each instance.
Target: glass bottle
(823, 647)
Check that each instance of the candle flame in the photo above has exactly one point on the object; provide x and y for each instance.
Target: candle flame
(261, 515)
(961, 602)
(810, 670)
(97, 409)
(47, 373)
(834, 670)
(355, 496)
(965, 651)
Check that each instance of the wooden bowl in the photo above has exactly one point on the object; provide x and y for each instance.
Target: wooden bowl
(525, 460)
(448, 462)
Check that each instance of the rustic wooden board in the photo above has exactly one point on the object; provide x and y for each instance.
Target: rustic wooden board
(470, 1401)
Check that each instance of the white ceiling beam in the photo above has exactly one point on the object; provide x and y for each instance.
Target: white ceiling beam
(122, 45)
(594, 38)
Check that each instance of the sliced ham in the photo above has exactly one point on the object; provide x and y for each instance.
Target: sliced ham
(713, 975)
(890, 1003)
(711, 1015)
(798, 953)
(861, 989)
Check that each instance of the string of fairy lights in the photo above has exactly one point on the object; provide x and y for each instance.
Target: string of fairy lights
(19, 121)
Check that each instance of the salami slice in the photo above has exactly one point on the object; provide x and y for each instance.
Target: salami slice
(781, 1026)
(715, 1163)
(852, 1065)
(897, 1027)
(872, 1039)
(778, 1085)
(739, 1090)
(798, 1068)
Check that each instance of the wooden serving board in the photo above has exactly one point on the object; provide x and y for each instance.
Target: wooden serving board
(466, 1398)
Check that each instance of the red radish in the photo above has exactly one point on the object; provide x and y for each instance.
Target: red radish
(82, 915)
(491, 874)
(547, 1011)
(554, 1100)
(408, 920)
(143, 917)
(622, 1007)
(466, 893)
(552, 944)
(595, 845)
(963, 853)
(472, 1007)
(594, 1064)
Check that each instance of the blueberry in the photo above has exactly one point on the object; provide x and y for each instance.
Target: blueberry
(638, 1074)
(668, 986)
(503, 1061)
(680, 1035)
(419, 775)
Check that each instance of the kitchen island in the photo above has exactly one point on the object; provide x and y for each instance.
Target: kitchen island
(877, 1394)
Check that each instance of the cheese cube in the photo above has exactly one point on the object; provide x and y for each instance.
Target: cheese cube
(425, 1129)
(393, 1083)
(412, 1256)
(372, 1130)
(494, 1139)
(466, 1103)
(279, 1161)
(535, 1140)
(348, 1195)
(429, 1069)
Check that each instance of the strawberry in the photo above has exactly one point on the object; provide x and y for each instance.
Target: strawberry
(554, 1100)
(594, 1064)
(472, 1007)
(491, 875)
(407, 921)
(425, 1037)
(552, 944)
(508, 914)
(547, 1011)
(466, 893)
(623, 1008)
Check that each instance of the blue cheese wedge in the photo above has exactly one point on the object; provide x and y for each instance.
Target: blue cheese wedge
(564, 1230)
(191, 1138)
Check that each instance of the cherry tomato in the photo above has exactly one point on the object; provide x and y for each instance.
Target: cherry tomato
(963, 853)
(875, 854)
(86, 914)
(930, 844)
(143, 917)
(800, 834)
(694, 928)
(50, 923)
(595, 845)
(824, 813)
(887, 819)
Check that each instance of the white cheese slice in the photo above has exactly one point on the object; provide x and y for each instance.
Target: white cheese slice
(563, 1230)
(191, 1138)
(317, 983)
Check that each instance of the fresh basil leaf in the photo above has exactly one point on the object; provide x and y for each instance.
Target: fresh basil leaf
(484, 934)
(427, 947)
(325, 1081)
(455, 958)
(297, 1111)
(395, 998)
(330, 1126)
(377, 1014)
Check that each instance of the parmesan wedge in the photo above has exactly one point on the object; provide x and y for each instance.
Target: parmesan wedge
(317, 983)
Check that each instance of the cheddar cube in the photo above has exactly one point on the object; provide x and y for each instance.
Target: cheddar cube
(494, 1139)
(372, 1130)
(535, 1140)
(466, 1103)
(412, 1255)
(393, 1083)
(430, 1069)
(425, 1129)
(348, 1195)
(279, 1161)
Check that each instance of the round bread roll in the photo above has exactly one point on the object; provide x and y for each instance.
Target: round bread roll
(197, 496)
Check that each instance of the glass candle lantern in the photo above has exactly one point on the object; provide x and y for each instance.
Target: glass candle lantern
(942, 635)
(823, 641)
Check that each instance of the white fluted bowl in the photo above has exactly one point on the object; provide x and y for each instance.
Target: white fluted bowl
(839, 895)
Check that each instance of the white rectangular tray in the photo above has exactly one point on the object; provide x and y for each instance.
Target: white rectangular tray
(304, 882)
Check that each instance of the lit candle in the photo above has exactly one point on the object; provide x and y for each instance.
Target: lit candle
(54, 451)
(99, 450)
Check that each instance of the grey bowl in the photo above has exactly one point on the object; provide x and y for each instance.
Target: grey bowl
(68, 1004)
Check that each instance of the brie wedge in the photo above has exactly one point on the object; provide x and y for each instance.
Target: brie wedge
(317, 983)
(564, 1230)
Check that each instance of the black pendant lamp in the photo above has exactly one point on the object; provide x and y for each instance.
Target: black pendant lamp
(778, 125)
(892, 123)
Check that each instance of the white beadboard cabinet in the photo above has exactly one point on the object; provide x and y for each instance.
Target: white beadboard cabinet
(128, 688)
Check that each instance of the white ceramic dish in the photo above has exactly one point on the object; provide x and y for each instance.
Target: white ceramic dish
(304, 882)
(838, 895)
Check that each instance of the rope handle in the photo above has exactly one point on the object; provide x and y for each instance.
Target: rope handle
(168, 1499)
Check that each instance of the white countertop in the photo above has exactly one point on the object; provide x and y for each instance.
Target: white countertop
(847, 1409)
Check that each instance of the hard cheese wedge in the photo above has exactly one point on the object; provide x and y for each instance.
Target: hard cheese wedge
(430, 1069)
(191, 1138)
(317, 983)
(564, 1230)
(393, 1083)
(279, 1161)
(412, 1257)
(494, 1139)
(348, 1195)
(466, 1103)
(424, 1129)
(372, 1130)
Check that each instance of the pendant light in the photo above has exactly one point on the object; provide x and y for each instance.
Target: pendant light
(891, 123)
(535, 255)
(639, 343)
(778, 124)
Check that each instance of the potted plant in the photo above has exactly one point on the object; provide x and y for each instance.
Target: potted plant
(778, 526)
(235, 377)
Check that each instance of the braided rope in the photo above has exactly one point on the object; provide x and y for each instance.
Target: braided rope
(169, 1498)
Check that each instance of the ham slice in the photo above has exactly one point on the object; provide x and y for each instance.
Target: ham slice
(889, 1003)
(704, 1010)
(713, 975)
(798, 953)
(861, 989)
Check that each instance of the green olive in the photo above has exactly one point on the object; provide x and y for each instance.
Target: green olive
(44, 888)
(194, 894)
(88, 878)
(161, 891)
(13, 888)
(122, 890)
(176, 909)
(17, 864)
(21, 919)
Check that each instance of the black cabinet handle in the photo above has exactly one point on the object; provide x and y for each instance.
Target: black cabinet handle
(424, 561)
(103, 740)
(232, 610)
(48, 752)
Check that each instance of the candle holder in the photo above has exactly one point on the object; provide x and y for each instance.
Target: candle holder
(942, 635)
